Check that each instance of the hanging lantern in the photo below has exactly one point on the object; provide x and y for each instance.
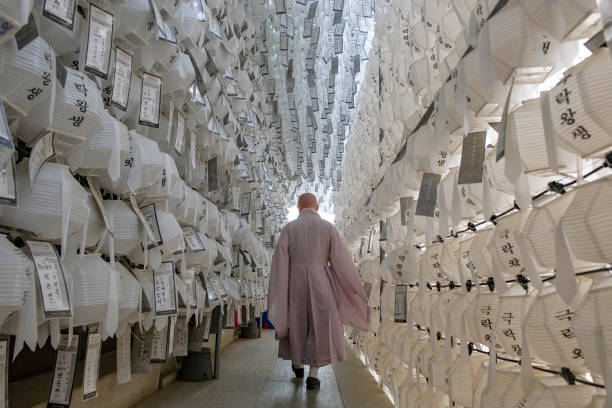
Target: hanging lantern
(549, 330)
(27, 77)
(16, 270)
(90, 290)
(54, 207)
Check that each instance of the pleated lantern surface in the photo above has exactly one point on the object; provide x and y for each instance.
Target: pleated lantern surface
(16, 270)
(465, 375)
(15, 13)
(506, 257)
(593, 328)
(511, 312)
(549, 331)
(61, 39)
(576, 20)
(90, 290)
(555, 392)
(527, 126)
(27, 76)
(403, 264)
(540, 226)
(132, 22)
(56, 196)
(171, 236)
(179, 78)
(95, 223)
(103, 153)
(126, 226)
(478, 254)
(130, 294)
(140, 170)
(481, 315)
(587, 222)
(77, 114)
(580, 115)
(506, 392)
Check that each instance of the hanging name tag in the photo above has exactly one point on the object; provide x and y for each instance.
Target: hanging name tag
(236, 198)
(428, 195)
(501, 140)
(193, 150)
(472, 157)
(206, 324)
(42, 151)
(245, 204)
(99, 41)
(122, 79)
(400, 303)
(6, 139)
(92, 366)
(210, 291)
(150, 99)
(150, 214)
(60, 11)
(27, 33)
(4, 366)
(217, 284)
(281, 7)
(141, 351)
(164, 287)
(213, 182)
(215, 28)
(64, 372)
(159, 346)
(179, 141)
(124, 372)
(194, 243)
(52, 284)
(8, 192)
(181, 334)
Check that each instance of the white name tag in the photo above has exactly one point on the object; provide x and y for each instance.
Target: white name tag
(5, 132)
(150, 98)
(63, 374)
(60, 11)
(159, 347)
(150, 214)
(99, 41)
(124, 372)
(165, 289)
(141, 351)
(428, 195)
(181, 339)
(217, 285)
(179, 141)
(53, 289)
(8, 193)
(92, 366)
(194, 243)
(42, 151)
(122, 79)
(245, 204)
(400, 303)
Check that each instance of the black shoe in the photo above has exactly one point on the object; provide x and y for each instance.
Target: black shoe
(299, 372)
(312, 383)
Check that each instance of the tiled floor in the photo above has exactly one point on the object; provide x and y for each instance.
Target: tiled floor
(252, 376)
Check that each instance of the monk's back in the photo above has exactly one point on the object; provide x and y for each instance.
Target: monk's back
(309, 239)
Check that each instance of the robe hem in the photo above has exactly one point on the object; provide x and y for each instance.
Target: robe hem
(308, 362)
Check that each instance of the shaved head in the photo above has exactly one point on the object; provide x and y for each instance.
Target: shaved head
(308, 200)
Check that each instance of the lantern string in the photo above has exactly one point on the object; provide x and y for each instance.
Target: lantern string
(565, 372)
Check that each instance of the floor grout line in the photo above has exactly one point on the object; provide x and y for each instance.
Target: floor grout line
(339, 388)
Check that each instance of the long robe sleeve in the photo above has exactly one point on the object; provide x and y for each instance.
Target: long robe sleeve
(351, 298)
(278, 293)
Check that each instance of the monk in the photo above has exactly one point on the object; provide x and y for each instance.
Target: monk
(314, 289)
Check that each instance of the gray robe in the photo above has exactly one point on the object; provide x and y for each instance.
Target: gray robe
(314, 289)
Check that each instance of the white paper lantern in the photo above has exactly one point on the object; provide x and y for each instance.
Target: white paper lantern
(512, 309)
(580, 117)
(127, 228)
(549, 330)
(56, 203)
(540, 227)
(592, 327)
(62, 39)
(95, 223)
(77, 114)
(555, 392)
(130, 295)
(466, 377)
(16, 271)
(90, 290)
(135, 22)
(576, 17)
(587, 223)
(27, 76)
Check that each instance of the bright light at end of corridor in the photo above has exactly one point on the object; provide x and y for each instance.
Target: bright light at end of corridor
(294, 212)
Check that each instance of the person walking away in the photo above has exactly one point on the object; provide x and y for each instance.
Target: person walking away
(314, 289)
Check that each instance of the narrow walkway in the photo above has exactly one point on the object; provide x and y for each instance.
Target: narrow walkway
(252, 376)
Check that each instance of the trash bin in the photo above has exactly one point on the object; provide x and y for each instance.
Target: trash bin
(197, 366)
